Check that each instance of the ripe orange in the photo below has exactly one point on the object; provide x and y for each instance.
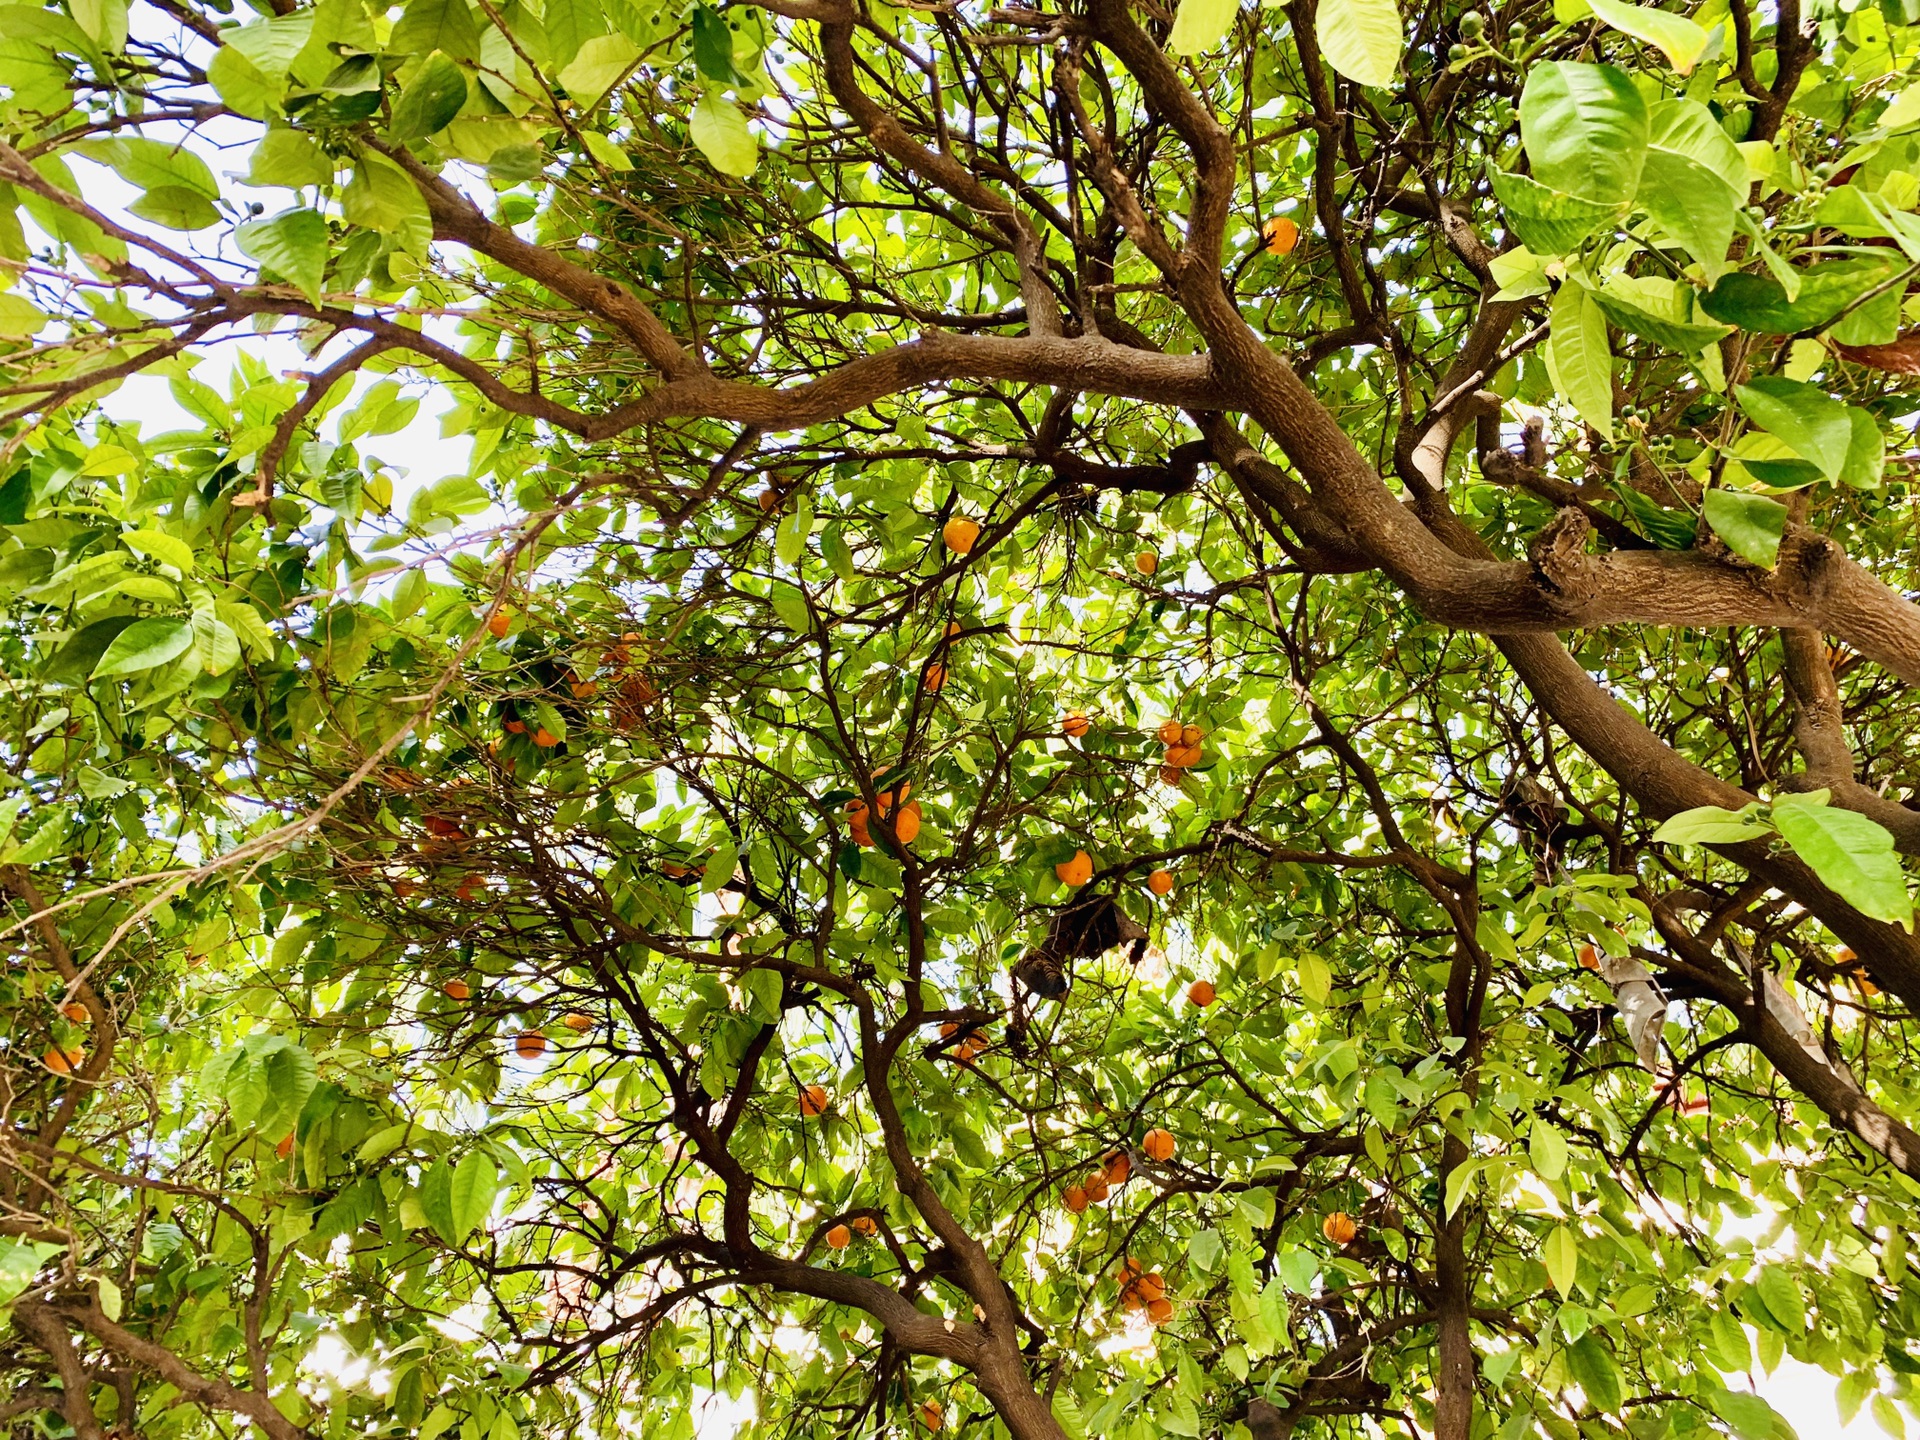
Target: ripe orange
(515, 727)
(1169, 774)
(1280, 235)
(1844, 954)
(839, 1237)
(954, 627)
(530, 1045)
(1158, 1145)
(545, 738)
(1073, 725)
(866, 1225)
(1074, 1198)
(1169, 732)
(1160, 1311)
(1191, 734)
(769, 499)
(1180, 757)
(577, 1021)
(813, 1100)
(935, 679)
(857, 827)
(1119, 1167)
(1589, 958)
(499, 621)
(585, 689)
(285, 1148)
(960, 534)
(1146, 562)
(1076, 871)
(470, 888)
(1160, 882)
(1130, 1299)
(950, 1029)
(1339, 1228)
(1151, 1287)
(906, 825)
(1201, 993)
(1130, 1269)
(932, 1416)
(1095, 1186)
(457, 990)
(63, 1062)
(74, 1011)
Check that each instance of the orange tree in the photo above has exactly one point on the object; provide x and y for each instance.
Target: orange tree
(1122, 722)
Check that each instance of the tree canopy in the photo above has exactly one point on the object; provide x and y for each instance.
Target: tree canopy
(1122, 720)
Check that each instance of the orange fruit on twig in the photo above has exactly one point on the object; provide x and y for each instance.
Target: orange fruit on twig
(960, 534)
(1201, 993)
(1073, 725)
(1077, 871)
(530, 1045)
(1158, 1145)
(499, 621)
(839, 1237)
(1279, 235)
(1160, 882)
(1339, 1228)
(1169, 732)
(813, 1100)
(457, 990)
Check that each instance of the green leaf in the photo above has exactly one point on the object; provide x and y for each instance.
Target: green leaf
(293, 244)
(75, 659)
(1592, 1366)
(1866, 451)
(1692, 204)
(42, 842)
(272, 45)
(605, 151)
(1751, 525)
(602, 61)
(167, 549)
(470, 1192)
(1850, 853)
(431, 100)
(1808, 420)
(1578, 357)
(242, 86)
(1362, 39)
(1759, 303)
(444, 25)
(1199, 25)
(1460, 1181)
(712, 46)
(1585, 129)
(175, 208)
(1316, 980)
(1712, 825)
(436, 1201)
(382, 197)
(1560, 1253)
(1681, 40)
(790, 540)
(570, 24)
(1780, 1293)
(1683, 336)
(791, 606)
(1547, 221)
(1547, 1149)
(289, 160)
(143, 645)
(720, 130)
(20, 318)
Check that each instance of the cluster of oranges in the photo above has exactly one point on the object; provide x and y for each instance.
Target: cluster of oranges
(1143, 1289)
(906, 823)
(527, 1044)
(1157, 1145)
(1182, 744)
(970, 1047)
(839, 1237)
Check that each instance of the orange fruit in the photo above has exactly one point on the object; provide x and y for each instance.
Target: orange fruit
(935, 679)
(932, 1416)
(1339, 1228)
(866, 1225)
(906, 825)
(457, 990)
(839, 1237)
(470, 888)
(1844, 954)
(1130, 1299)
(1160, 1311)
(1095, 1187)
(1201, 993)
(674, 870)
(1076, 871)
(950, 1029)
(584, 689)
(1151, 1287)
(813, 1100)
(516, 727)
(1180, 757)
(74, 1011)
(403, 888)
(769, 499)
(1130, 1270)
(545, 738)
(1169, 774)
(1146, 562)
(1191, 734)
(62, 1062)
(1589, 958)
(1160, 882)
(1170, 732)
(1073, 725)
(954, 627)
(857, 827)
(1074, 1198)
(285, 1148)
(1119, 1167)
(960, 534)
(529, 1044)
(498, 622)
(1280, 235)
(577, 1021)
(1158, 1144)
